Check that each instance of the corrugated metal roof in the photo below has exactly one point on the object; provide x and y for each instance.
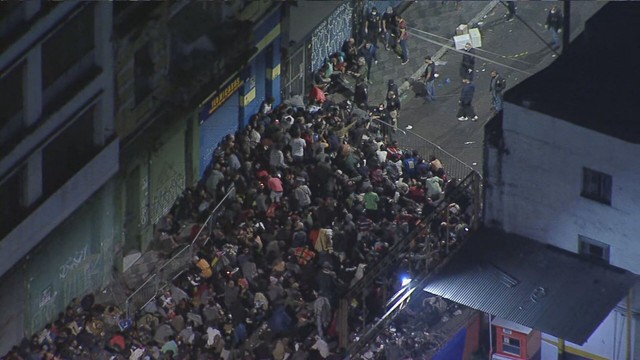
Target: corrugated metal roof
(532, 284)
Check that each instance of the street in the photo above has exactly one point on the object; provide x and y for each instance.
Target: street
(516, 49)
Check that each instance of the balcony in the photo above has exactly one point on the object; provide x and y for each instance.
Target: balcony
(53, 210)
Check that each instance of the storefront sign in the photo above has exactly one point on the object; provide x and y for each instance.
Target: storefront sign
(222, 96)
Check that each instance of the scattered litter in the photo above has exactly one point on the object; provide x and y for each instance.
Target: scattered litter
(483, 70)
(468, 142)
(409, 127)
(474, 164)
(457, 312)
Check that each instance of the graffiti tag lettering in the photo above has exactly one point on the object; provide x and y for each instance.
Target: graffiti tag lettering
(73, 262)
(329, 36)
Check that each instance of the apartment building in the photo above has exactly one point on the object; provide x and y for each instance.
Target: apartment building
(561, 169)
(59, 152)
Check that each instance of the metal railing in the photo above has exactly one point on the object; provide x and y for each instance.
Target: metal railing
(470, 187)
(409, 140)
(172, 268)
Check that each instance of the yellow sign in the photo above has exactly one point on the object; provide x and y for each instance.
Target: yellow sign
(223, 95)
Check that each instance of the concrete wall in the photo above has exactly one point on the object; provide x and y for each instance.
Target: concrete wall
(73, 260)
(131, 112)
(609, 341)
(535, 191)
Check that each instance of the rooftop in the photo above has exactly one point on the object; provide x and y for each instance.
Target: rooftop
(594, 84)
(532, 284)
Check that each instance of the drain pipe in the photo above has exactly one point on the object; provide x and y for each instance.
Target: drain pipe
(490, 337)
(628, 357)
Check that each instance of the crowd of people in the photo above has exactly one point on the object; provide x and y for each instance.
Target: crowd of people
(313, 196)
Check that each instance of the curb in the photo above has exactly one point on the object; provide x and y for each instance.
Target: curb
(406, 85)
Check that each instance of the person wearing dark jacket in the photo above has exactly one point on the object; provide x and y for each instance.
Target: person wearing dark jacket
(466, 112)
(468, 62)
(496, 86)
(361, 94)
(554, 24)
(392, 86)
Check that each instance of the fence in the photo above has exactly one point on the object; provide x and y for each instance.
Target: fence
(469, 187)
(409, 140)
(172, 268)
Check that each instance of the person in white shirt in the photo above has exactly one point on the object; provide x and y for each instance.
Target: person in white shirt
(322, 347)
(297, 149)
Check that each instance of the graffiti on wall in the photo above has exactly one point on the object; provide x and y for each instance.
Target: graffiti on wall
(144, 208)
(73, 262)
(330, 35)
(80, 277)
(166, 193)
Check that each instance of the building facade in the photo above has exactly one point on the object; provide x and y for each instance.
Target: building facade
(59, 154)
(560, 168)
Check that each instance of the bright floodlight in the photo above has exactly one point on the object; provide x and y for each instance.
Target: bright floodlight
(405, 281)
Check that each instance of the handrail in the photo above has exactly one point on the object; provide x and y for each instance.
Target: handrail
(232, 188)
(419, 139)
(471, 182)
(159, 276)
(400, 245)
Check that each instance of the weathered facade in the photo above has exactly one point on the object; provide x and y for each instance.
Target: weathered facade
(59, 153)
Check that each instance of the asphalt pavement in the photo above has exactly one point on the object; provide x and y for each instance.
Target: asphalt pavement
(517, 49)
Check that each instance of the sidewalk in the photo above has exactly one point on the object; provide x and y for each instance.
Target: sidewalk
(431, 16)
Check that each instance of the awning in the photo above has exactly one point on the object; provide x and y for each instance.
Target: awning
(532, 284)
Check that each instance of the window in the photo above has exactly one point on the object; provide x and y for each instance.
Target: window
(65, 155)
(11, 103)
(11, 21)
(11, 206)
(596, 186)
(143, 71)
(511, 345)
(67, 46)
(593, 249)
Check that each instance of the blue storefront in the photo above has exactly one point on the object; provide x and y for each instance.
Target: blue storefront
(229, 107)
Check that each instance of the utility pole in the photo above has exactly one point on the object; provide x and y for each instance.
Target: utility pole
(566, 25)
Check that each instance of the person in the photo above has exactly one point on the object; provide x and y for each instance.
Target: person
(320, 79)
(496, 86)
(361, 94)
(372, 27)
(350, 51)
(368, 53)
(388, 23)
(267, 105)
(403, 35)
(554, 25)
(466, 112)
(468, 62)
(361, 70)
(393, 107)
(392, 86)
(511, 8)
(429, 78)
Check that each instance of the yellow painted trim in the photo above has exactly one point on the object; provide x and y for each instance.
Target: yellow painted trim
(273, 73)
(248, 97)
(576, 351)
(267, 39)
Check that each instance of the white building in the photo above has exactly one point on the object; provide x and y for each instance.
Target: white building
(58, 151)
(562, 165)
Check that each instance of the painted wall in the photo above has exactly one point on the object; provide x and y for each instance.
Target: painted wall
(535, 191)
(74, 259)
(330, 34)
